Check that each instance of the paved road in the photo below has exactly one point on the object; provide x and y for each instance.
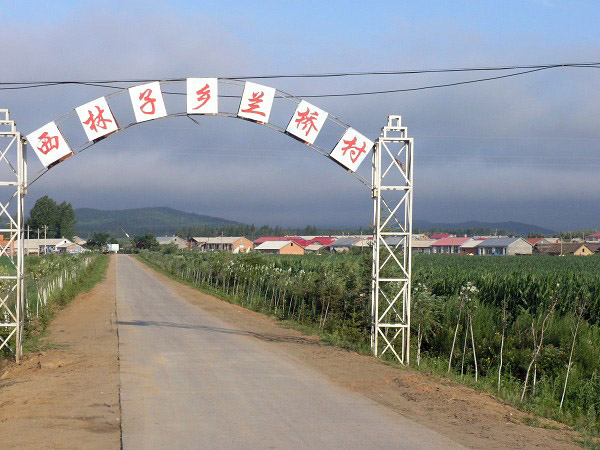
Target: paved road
(189, 380)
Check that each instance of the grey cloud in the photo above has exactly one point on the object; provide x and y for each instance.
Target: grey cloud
(248, 173)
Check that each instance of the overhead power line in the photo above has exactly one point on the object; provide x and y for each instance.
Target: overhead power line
(331, 74)
(15, 85)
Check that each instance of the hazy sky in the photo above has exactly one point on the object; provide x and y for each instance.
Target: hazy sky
(525, 148)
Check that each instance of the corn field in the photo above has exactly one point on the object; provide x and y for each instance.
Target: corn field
(524, 328)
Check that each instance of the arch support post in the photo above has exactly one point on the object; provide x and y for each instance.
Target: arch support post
(392, 181)
(13, 188)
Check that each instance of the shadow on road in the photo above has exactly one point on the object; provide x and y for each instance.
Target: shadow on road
(262, 336)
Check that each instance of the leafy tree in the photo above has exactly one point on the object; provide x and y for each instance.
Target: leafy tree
(98, 240)
(60, 219)
(44, 214)
(146, 241)
(65, 221)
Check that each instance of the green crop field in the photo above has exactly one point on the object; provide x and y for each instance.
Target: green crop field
(50, 281)
(513, 326)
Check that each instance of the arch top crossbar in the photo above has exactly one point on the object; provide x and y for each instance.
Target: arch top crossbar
(309, 119)
(391, 183)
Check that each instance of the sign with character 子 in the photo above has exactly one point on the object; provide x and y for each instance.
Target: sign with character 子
(306, 122)
(202, 96)
(352, 149)
(49, 144)
(257, 101)
(147, 102)
(97, 119)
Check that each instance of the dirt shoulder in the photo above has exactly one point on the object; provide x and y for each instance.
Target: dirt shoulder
(469, 417)
(68, 396)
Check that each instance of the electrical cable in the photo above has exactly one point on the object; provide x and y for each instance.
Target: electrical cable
(531, 69)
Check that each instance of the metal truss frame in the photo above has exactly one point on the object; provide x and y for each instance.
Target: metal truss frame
(392, 181)
(13, 188)
(392, 193)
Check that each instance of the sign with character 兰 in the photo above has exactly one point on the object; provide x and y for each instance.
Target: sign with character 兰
(257, 101)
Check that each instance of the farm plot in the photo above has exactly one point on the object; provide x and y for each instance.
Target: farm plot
(525, 329)
(50, 281)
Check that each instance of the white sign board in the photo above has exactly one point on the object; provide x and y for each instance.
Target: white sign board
(49, 144)
(352, 149)
(306, 122)
(97, 119)
(147, 102)
(202, 96)
(256, 103)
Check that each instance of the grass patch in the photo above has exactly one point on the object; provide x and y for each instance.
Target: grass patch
(35, 333)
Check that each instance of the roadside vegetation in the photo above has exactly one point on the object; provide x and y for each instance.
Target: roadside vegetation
(524, 329)
(51, 282)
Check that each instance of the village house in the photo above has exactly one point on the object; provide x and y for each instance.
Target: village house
(40, 246)
(280, 248)
(237, 244)
(422, 245)
(322, 240)
(567, 248)
(343, 244)
(537, 240)
(175, 240)
(437, 236)
(79, 241)
(593, 237)
(313, 248)
(505, 246)
(448, 244)
(297, 239)
(197, 243)
(470, 247)
(70, 248)
(8, 247)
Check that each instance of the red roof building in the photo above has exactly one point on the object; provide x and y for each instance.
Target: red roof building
(439, 236)
(448, 244)
(533, 241)
(323, 240)
(298, 240)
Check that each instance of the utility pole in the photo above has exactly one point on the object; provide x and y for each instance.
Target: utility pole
(45, 239)
(38, 242)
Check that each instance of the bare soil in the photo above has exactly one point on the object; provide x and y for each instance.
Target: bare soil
(67, 397)
(467, 416)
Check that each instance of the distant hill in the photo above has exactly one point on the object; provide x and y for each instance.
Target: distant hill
(473, 227)
(159, 221)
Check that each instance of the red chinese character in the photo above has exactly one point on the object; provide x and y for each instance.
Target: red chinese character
(47, 143)
(204, 96)
(355, 152)
(307, 119)
(148, 101)
(254, 104)
(97, 121)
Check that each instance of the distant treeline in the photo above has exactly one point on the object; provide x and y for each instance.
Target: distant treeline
(253, 232)
(476, 231)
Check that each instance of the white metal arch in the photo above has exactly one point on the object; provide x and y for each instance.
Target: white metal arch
(391, 189)
(229, 114)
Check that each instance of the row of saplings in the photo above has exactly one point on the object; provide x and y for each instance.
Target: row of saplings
(545, 360)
